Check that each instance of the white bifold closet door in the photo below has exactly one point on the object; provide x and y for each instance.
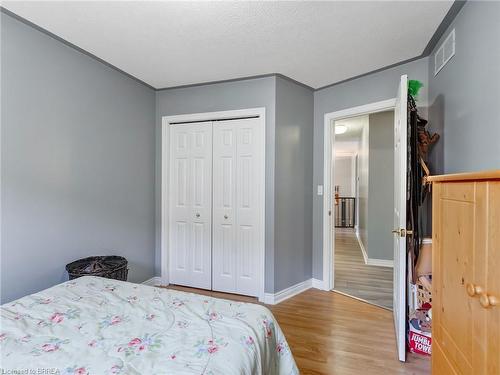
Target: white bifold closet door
(190, 186)
(238, 204)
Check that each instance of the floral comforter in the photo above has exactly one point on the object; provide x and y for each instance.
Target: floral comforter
(93, 325)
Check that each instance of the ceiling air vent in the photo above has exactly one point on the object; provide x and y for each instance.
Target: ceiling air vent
(445, 52)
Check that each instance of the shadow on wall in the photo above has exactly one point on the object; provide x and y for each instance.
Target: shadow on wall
(436, 155)
(436, 125)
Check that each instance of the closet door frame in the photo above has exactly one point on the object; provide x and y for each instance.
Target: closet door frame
(165, 162)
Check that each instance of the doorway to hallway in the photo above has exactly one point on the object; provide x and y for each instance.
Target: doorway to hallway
(363, 181)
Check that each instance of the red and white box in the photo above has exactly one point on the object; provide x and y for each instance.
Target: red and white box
(419, 342)
(419, 334)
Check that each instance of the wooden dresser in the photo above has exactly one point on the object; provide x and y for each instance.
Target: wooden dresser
(466, 273)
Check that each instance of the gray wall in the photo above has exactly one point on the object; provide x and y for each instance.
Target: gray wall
(465, 95)
(381, 186)
(78, 158)
(78, 141)
(260, 92)
(364, 175)
(367, 89)
(293, 184)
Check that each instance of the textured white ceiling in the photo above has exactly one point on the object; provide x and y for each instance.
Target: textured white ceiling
(177, 43)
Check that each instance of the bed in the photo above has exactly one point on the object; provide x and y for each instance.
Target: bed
(93, 325)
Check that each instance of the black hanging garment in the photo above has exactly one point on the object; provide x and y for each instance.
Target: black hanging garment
(412, 192)
(419, 140)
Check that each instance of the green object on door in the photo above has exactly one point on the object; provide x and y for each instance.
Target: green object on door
(414, 87)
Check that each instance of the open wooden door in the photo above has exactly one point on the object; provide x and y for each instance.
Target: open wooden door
(400, 158)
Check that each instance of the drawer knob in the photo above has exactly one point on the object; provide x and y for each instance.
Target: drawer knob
(488, 301)
(474, 290)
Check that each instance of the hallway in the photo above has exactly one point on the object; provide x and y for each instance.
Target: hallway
(353, 277)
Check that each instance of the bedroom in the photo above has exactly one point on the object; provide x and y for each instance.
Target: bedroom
(86, 90)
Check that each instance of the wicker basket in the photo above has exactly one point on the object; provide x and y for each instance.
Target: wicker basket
(110, 267)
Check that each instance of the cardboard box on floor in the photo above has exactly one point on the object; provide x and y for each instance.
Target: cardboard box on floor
(420, 303)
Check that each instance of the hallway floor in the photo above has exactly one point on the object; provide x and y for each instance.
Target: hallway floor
(353, 277)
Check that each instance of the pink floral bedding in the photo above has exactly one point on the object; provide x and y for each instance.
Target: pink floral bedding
(99, 326)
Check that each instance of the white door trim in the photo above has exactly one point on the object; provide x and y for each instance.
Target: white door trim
(328, 165)
(165, 133)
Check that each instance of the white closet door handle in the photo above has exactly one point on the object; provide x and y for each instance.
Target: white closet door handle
(198, 215)
(226, 217)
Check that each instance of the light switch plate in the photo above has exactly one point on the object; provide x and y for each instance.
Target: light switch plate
(320, 189)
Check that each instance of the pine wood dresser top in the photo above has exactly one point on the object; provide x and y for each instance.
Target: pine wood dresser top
(483, 175)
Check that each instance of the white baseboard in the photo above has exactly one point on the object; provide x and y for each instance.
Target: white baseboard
(269, 298)
(363, 250)
(373, 261)
(155, 281)
(380, 262)
(318, 284)
(273, 299)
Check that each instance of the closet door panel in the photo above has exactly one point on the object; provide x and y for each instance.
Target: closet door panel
(249, 205)
(179, 204)
(237, 208)
(190, 202)
(224, 194)
(201, 247)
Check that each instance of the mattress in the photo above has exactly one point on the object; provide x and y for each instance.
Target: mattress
(93, 325)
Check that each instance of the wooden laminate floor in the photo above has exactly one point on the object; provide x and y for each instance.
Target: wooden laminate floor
(332, 334)
(353, 277)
